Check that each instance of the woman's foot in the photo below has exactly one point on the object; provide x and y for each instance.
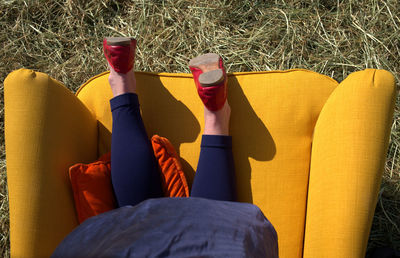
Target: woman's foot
(211, 82)
(120, 54)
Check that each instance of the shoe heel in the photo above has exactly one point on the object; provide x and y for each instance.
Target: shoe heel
(208, 70)
(211, 78)
(118, 41)
(207, 61)
(209, 65)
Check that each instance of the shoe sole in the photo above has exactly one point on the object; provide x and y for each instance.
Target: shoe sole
(118, 41)
(209, 62)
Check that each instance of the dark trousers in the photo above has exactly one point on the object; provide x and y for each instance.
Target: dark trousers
(134, 169)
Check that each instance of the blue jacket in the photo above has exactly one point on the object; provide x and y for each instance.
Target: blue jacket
(174, 227)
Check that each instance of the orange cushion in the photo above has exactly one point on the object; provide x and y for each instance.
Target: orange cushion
(92, 188)
(173, 179)
(91, 185)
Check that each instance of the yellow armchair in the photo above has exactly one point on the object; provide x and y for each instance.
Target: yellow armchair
(308, 151)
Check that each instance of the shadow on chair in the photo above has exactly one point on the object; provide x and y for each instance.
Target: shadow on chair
(251, 138)
(168, 117)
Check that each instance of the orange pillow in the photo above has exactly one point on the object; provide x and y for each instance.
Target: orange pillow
(92, 188)
(91, 184)
(173, 179)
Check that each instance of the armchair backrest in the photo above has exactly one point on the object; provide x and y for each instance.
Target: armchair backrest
(272, 124)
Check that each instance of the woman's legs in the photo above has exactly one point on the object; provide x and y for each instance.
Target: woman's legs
(135, 172)
(215, 173)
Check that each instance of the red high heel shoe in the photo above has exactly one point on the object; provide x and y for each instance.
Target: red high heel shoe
(120, 53)
(210, 78)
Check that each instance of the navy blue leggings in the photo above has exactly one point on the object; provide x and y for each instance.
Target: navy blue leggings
(135, 172)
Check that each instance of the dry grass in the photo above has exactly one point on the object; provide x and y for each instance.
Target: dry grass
(332, 37)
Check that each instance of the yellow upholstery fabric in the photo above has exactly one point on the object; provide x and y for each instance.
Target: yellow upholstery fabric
(348, 155)
(47, 129)
(273, 119)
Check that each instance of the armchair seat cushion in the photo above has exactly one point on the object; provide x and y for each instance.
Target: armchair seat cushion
(272, 123)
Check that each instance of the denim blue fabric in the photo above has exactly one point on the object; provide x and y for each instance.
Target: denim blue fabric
(174, 227)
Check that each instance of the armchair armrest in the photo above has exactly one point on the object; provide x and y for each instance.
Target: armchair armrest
(47, 129)
(348, 156)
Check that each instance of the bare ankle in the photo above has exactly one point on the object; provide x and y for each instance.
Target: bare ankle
(122, 83)
(217, 122)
